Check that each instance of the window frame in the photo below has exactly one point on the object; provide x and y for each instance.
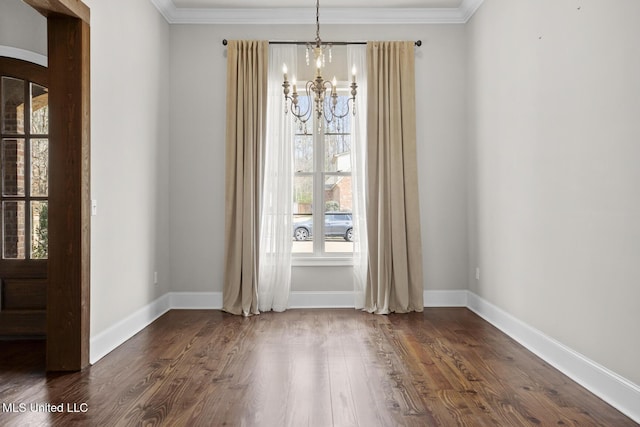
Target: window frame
(319, 256)
(28, 137)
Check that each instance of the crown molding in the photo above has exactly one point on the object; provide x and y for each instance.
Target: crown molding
(289, 16)
(468, 8)
(166, 8)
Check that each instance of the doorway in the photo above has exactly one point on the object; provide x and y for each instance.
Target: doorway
(67, 278)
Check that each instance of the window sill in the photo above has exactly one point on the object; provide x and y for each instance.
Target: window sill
(321, 261)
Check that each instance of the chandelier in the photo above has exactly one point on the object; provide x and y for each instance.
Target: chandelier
(317, 88)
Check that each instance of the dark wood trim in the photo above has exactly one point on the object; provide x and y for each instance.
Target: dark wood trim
(72, 8)
(69, 198)
(17, 68)
(31, 323)
(25, 268)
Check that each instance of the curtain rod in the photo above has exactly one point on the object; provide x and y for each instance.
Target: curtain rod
(224, 43)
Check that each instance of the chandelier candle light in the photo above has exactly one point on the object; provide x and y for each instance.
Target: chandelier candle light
(318, 87)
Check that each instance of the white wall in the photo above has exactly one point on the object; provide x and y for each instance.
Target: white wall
(198, 79)
(129, 159)
(554, 144)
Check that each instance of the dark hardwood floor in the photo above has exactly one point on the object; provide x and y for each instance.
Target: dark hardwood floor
(443, 367)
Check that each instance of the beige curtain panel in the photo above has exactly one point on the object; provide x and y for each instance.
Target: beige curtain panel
(394, 280)
(245, 141)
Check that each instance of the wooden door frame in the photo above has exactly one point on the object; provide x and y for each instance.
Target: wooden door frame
(68, 295)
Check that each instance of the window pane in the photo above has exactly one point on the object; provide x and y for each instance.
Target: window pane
(302, 234)
(337, 153)
(39, 167)
(12, 105)
(39, 230)
(302, 195)
(303, 153)
(302, 219)
(39, 109)
(13, 219)
(338, 223)
(13, 167)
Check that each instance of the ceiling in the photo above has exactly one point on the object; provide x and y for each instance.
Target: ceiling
(257, 12)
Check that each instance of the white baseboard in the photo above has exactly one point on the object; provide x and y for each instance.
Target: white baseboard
(610, 387)
(108, 340)
(619, 392)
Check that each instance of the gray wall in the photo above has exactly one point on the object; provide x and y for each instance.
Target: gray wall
(198, 77)
(554, 147)
(22, 27)
(129, 158)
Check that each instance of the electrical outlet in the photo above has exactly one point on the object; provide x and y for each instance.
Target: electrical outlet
(477, 273)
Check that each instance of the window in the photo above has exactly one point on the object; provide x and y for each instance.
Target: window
(322, 191)
(25, 161)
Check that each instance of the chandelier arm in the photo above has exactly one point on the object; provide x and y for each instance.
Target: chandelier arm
(303, 117)
(346, 113)
(327, 85)
(294, 107)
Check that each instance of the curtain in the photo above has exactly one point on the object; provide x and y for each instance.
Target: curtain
(394, 280)
(357, 57)
(277, 228)
(245, 139)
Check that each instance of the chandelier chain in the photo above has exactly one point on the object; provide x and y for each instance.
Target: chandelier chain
(318, 41)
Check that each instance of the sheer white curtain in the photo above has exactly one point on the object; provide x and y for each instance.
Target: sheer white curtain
(274, 279)
(357, 56)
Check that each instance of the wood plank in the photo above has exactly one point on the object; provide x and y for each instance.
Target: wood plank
(69, 198)
(307, 367)
(23, 294)
(71, 8)
(23, 323)
(36, 269)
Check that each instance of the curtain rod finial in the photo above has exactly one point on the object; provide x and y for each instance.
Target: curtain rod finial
(419, 43)
(224, 42)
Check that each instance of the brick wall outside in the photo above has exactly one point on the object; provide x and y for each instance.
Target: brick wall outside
(13, 151)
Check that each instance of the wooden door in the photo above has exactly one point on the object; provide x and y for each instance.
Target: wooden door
(24, 192)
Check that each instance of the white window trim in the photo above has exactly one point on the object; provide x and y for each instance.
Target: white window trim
(319, 257)
(322, 261)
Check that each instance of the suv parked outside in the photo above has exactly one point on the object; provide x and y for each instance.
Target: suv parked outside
(336, 224)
